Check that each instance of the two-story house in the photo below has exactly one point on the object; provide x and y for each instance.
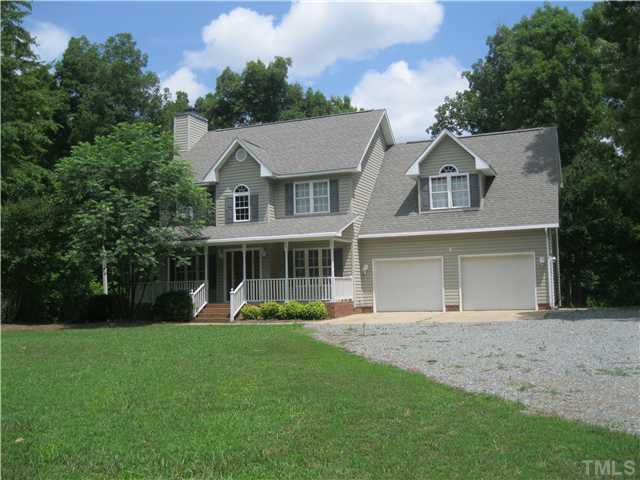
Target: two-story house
(333, 209)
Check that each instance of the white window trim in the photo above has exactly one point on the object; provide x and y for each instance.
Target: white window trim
(241, 194)
(306, 261)
(449, 192)
(312, 210)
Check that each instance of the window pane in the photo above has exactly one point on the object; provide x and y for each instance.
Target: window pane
(303, 205)
(326, 257)
(299, 263)
(321, 197)
(440, 200)
(458, 183)
(313, 258)
(302, 190)
(460, 199)
(439, 184)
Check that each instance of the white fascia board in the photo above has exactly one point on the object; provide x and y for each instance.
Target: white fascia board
(274, 238)
(458, 231)
(318, 174)
(481, 165)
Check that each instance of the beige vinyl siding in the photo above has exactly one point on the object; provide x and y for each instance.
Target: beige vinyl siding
(187, 130)
(247, 173)
(180, 129)
(345, 187)
(450, 247)
(364, 182)
(447, 152)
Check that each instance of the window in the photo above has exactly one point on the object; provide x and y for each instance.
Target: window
(313, 262)
(449, 189)
(311, 197)
(241, 207)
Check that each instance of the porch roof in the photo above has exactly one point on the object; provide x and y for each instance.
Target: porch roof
(291, 228)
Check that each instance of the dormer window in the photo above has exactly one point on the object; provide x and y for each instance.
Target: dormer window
(241, 205)
(450, 189)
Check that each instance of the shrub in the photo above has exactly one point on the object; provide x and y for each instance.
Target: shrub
(143, 312)
(314, 311)
(103, 308)
(293, 310)
(250, 312)
(174, 307)
(270, 310)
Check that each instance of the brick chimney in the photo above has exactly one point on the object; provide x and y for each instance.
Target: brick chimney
(188, 128)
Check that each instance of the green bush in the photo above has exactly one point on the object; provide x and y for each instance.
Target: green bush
(292, 310)
(103, 308)
(314, 311)
(250, 312)
(143, 312)
(174, 307)
(271, 310)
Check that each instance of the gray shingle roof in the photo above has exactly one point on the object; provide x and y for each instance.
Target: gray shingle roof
(524, 191)
(294, 227)
(314, 145)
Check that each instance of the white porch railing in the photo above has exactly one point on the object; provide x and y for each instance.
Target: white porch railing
(199, 299)
(237, 298)
(303, 289)
(148, 292)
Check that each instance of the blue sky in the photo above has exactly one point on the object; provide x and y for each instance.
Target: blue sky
(403, 56)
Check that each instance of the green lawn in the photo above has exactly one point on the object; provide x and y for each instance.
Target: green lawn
(260, 402)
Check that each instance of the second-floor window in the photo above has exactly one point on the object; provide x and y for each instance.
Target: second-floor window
(450, 189)
(311, 197)
(241, 206)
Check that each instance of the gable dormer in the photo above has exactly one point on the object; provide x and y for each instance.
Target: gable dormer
(449, 175)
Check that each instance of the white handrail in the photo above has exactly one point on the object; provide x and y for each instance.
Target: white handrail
(199, 299)
(237, 299)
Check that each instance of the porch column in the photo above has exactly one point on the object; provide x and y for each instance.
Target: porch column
(333, 271)
(286, 271)
(206, 272)
(244, 262)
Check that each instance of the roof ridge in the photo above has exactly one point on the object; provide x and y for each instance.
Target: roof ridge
(502, 132)
(241, 127)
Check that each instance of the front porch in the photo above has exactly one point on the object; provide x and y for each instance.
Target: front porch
(252, 272)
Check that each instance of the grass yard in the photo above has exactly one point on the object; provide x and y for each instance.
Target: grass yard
(246, 402)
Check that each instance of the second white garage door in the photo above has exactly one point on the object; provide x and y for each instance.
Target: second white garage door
(501, 282)
(408, 285)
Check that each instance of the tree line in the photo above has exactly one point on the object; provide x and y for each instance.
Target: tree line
(67, 125)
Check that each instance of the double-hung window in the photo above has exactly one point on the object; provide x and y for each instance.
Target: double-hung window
(312, 262)
(450, 189)
(311, 197)
(241, 206)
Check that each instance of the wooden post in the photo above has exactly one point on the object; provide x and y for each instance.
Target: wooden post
(333, 271)
(206, 273)
(244, 262)
(286, 271)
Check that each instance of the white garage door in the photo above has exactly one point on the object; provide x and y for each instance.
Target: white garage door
(408, 285)
(506, 282)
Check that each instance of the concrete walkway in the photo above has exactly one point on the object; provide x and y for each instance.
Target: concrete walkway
(439, 317)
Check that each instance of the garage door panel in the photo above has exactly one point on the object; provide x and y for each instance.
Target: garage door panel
(498, 282)
(408, 285)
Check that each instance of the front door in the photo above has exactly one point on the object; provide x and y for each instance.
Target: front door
(233, 268)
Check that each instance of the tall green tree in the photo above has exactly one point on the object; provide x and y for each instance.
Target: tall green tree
(128, 202)
(29, 102)
(104, 84)
(262, 93)
(553, 68)
(542, 71)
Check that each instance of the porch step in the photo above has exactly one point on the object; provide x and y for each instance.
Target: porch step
(214, 313)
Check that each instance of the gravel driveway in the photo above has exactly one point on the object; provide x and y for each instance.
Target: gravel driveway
(587, 369)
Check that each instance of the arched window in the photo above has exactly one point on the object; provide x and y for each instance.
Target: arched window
(241, 207)
(448, 169)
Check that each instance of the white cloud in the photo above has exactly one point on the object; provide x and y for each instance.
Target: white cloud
(410, 96)
(51, 39)
(314, 35)
(185, 80)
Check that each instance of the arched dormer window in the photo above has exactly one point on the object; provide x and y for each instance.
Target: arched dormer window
(241, 204)
(449, 189)
(448, 169)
